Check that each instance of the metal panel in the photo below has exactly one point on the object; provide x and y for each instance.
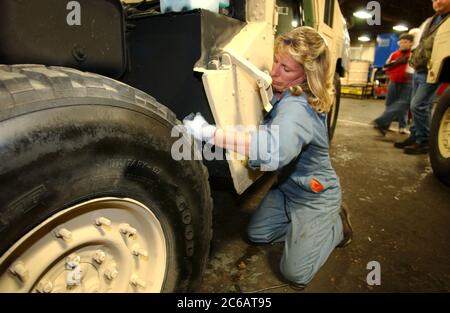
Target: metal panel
(233, 94)
(83, 34)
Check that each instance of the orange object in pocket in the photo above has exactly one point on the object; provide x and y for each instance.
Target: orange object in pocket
(315, 185)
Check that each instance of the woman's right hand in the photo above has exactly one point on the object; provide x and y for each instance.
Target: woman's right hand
(199, 128)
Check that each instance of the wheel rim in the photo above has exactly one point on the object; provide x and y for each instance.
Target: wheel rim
(101, 245)
(331, 119)
(444, 134)
(332, 114)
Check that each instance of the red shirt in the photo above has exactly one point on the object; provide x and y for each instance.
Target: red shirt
(397, 72)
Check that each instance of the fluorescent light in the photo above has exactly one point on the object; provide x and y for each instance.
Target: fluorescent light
(362, 14)
(364, 38)
(294, 23)
(400, 28)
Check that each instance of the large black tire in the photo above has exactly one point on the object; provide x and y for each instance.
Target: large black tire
(67, 136)
(332, 116)
(440, 139)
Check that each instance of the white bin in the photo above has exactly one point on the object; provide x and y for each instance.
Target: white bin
(358, 72)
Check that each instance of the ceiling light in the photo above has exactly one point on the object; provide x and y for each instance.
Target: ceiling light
(362, 14)
(364, 38)
(400, 28)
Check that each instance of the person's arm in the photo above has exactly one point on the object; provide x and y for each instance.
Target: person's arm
(389, 63)
(403, 59)
(229, 139)
(268, 147)
(388, 59)
(237, 141)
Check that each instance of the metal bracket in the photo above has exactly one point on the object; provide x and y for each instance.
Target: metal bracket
(263, 79)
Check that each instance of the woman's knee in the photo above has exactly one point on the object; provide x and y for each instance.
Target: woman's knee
(258, 235)
(296, 272)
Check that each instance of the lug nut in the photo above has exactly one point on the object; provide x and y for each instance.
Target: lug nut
(64, 234)
(126, 229)
(137, 251)
(18, 269)
(111, 273)
(99, 256)
(44, 286)
(73, 258)
(136, 281)
(102, 221)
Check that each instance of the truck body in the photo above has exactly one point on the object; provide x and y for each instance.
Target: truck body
(81, 149)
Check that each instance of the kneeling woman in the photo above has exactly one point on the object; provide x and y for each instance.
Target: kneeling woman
(303, 210)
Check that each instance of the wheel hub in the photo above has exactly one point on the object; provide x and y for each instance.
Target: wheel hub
(101, 245)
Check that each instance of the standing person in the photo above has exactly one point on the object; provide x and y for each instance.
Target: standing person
(304, 210)
(399, 90)
(423, 93)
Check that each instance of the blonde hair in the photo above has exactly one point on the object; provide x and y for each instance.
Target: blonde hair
(308, 48)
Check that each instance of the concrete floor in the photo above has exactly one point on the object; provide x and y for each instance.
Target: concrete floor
(399, 211)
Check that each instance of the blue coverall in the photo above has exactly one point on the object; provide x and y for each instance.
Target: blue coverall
(303, 211)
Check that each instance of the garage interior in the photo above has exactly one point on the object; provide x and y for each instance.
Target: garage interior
(399, 205)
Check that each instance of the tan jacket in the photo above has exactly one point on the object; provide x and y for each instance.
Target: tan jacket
(421, 55)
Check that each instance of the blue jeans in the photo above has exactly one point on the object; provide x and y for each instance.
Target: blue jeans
(309, 235)
(397, 105)
(421, 102)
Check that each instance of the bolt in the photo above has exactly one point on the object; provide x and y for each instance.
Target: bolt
(99, 256)
(102, 221)
(73, 258)
(18, 269)
(72, 263)
(213, 65)
(111, 272)
(136, 281)
(126, 229)
(64, 234)
(137, 251)
(44, 286)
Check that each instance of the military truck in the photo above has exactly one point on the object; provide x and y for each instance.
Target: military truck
(91, 197)
(439, 72)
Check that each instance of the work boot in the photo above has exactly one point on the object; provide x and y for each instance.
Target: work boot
(296, 286)
(382, 130)
(346, 228)
(417, 148)
(405, 143)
